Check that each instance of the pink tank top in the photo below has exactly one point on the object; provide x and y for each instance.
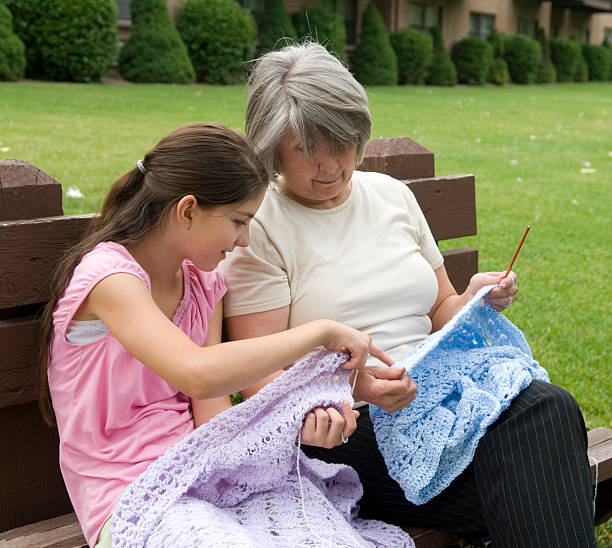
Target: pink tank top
(114, 415)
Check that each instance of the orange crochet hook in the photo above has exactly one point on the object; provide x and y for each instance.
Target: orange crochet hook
(516, 253)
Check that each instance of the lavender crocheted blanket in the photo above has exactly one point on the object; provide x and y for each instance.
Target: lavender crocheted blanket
(240, 480)
(467, 374)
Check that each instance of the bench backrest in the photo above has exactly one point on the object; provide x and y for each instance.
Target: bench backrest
(33, 235)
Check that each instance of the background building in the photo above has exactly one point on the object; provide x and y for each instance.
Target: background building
(588, 21)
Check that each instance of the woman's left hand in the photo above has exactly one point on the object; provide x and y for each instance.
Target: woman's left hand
(500, 297)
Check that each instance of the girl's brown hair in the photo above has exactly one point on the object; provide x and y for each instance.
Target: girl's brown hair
(209, 161)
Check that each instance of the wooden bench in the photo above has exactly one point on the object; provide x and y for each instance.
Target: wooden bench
(34, 506)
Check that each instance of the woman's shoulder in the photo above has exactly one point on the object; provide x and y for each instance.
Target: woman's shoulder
(372, 182)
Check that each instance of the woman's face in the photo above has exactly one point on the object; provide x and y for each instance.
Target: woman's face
(322, 182)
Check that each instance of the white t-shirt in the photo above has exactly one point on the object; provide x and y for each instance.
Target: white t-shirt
(368, 263)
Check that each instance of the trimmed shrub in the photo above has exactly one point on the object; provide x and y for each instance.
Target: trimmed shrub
(275, 25)
(154, 51)
(25, 13)
(547, 73)
(442, 71)
(67, 40)
(414, 51)
(523, 57)
(598, 61)
(472, 57)
(565, 54)
(12, 50)
(220, 38)
(373, 62)
(544, 44)
(496, 39)
(321, 24)
(581, 74)
(498, 73)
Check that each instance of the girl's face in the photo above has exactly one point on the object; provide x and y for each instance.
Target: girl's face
(216, 231)
(322, 182)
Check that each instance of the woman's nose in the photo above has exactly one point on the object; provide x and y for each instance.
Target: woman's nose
(326, 161)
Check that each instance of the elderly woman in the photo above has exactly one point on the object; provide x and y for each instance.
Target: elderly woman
(333, 242)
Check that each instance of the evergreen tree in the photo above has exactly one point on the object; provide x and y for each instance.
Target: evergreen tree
(547, 73)
(498, 73)
(322, 24)
(220, 36)
(374, 62)
(154, 52)
(442, 71)
(12, 50)
(275, 27)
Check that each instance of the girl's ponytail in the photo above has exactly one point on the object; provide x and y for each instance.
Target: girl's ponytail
(213, 163)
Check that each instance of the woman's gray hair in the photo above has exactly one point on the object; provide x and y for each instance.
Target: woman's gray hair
(305, 89)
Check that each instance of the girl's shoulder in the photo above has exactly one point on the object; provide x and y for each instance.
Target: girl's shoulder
(202, 284)
(107, 258)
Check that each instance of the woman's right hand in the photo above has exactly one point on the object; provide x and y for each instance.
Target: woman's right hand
(358, 345)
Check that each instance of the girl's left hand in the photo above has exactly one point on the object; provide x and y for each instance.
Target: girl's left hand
(500, 297)
(327, 427)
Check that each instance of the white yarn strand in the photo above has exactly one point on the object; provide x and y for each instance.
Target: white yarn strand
(299, 475)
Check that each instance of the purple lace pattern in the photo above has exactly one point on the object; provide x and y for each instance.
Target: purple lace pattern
(239, 480)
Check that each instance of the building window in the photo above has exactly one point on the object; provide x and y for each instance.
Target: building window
(581, 36)
(123, 10)
(528, 27)
(347, 9)
(481, 24)
(256, 7)
(425, 17)
(608, 37)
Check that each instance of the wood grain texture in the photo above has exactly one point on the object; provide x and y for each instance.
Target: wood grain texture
(399, 157)
(30, 251)
(26, 192)
(448, 203)
(19, 343)
(31, 485)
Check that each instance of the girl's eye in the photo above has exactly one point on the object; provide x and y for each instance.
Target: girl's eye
(240, 222)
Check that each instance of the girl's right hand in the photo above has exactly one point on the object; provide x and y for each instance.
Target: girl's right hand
(358, 345)
(328, 427)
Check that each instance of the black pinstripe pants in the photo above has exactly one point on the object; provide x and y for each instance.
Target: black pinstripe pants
(529, 484)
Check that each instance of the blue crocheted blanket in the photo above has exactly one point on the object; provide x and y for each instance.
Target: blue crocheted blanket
(466, 374)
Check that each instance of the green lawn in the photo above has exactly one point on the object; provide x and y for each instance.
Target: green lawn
(526, 145)
(542, 155)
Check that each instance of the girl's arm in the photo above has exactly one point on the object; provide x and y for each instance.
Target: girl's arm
(448, 302)
(126, 307)
(204, 410)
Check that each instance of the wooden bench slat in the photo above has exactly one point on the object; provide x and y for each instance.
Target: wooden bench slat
(61, 532)
(398, 157)
(448, 203)
(461, 264)
(425, 537)
(26, 191)
(19, 344)
(31, 485)
(30, 250)
(600, 448)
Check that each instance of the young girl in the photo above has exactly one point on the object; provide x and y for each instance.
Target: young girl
(132, 329)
